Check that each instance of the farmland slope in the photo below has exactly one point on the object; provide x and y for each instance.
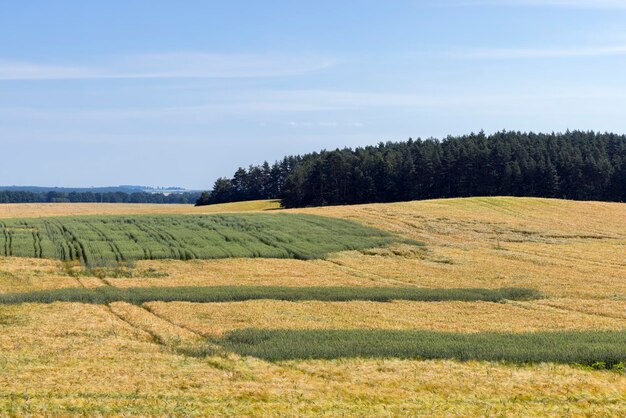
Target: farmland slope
(160, 357)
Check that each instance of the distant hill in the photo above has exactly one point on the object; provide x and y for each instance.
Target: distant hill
(106, 189)
(113, 194)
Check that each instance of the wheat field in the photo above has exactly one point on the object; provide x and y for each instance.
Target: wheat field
(36, 210)
(121, 359)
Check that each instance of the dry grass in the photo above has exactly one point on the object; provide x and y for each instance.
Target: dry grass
(214, 319)
(72, 358)
(26, 274)
(67, 358)
(563, 248)
(36, 210)
(162, 331)
(600, 307)
(559, 271)
(246, 271)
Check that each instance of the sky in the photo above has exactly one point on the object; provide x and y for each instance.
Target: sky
(178, 93)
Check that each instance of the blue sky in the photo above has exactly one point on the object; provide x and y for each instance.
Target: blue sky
(168, 93)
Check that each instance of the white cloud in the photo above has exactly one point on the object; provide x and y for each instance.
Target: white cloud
(11, 70)
(583, 4)
(248, 102)
(300, 102)
(171, 65)
(512, 53)
(324, 124)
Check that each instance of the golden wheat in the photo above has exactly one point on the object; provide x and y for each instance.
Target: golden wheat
(71, 357)
(214, 319)
(66, 358)
(36, 210)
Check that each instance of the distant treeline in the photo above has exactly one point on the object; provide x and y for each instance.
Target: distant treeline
(573, 165)
(7, 196)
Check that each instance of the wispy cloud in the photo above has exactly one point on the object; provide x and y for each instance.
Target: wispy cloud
(169, 65)
(311, 103)
(520, 53)
(581, 4)
(324, 124)
(248, 102)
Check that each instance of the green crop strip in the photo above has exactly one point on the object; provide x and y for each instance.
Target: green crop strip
(571, 347)
(138, 295)
(98, 241)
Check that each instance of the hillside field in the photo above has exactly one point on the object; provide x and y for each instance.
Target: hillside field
(476, 306)
(36, 210)
(101, 241)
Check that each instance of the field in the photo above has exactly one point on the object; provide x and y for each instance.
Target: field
(98, 241)
(480, 306)
(139, 295)
(588, 348)
(36, 210)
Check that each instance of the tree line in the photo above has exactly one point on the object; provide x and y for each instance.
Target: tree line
(574, 165)
(10, 196)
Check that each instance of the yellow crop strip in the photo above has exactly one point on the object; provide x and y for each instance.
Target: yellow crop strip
(36, 210)
(214, 319)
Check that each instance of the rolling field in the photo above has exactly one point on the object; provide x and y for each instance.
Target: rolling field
(36, 210)
(114, 240)
(479, 306)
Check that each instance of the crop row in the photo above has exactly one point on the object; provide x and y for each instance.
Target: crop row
(138, 295)
(573, 347)
(113, 240)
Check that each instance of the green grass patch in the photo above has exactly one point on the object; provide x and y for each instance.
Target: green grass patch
(99, 241)
(138, 295)
(572, 347)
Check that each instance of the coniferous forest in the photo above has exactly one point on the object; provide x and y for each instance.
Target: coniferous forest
(19, 196)
(572, 165)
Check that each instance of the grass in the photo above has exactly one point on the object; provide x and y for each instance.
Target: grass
(110, 240)
(37, 210)
(77, 359)
(571, 347)
(547, 242)
(107, 294)
(88, 359)
(216, 319)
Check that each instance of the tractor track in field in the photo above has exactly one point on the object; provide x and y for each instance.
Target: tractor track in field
(162, 318)
(581, 311)
(155, 337)
(176, 250)
(354, 272)
(558, 308)
(6, 238)
(119, 257)
(97, 242)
